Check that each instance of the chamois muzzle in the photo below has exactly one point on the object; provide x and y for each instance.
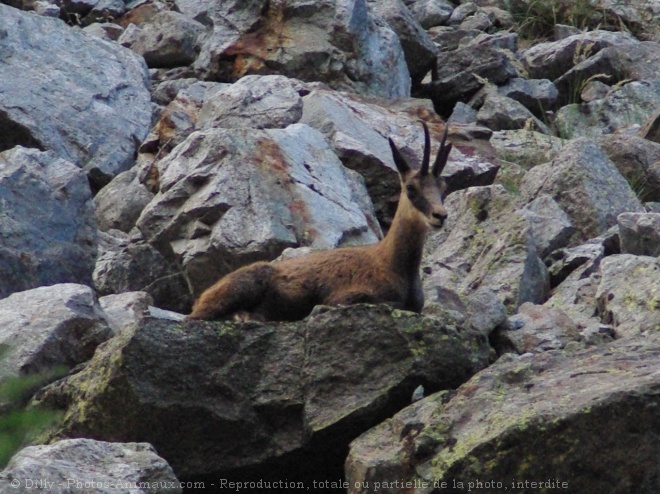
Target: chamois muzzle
(438, 219)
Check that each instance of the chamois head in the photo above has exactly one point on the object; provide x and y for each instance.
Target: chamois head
(425, 188)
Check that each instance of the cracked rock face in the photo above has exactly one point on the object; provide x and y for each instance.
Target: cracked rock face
(484, 245)
(586, 185)
(235, 196)
(83, 98)
(47, 222)
(338, 42)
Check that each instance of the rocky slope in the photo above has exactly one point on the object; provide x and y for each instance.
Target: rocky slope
(148, 148)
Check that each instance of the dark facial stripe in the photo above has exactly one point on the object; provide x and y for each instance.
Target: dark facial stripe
(420, 203)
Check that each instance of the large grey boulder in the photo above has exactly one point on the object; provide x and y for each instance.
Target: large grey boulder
(229, 197)
(198, 11)
(48, 328)
(125, 310)
(537, 328)
(47, 221)
(83, 98)
(259, 102)
(543, 418)
(417, 46)
(619, 62)
(85, 465)
(525, 147)
(462, 72)
(480, 21)
(168, 39)
(500, 40)
(248, 395)
(486, 244)
(358, 132)
(640, 233)
(638, 18)
(623, 109)
(586, 185)
(550, 226)
(119, 204)
(628, 295)
(501, 113)
(552, 59)
(450, 38)
(537, 95)
(127, 263)
(594, 90)
(462, 114)
(432, 13)
(638, 160)
(461, 12)
(340, 43)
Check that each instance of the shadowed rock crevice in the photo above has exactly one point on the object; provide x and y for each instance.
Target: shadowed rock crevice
(14, 134)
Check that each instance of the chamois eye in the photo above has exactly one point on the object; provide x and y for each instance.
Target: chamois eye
(411, 189)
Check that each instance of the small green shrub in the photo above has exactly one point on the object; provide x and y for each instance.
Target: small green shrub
(20, 423)
(640, 186)
(536, 19)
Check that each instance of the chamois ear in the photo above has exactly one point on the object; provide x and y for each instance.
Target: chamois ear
(401, 163)
(443, 154)
(424, 169)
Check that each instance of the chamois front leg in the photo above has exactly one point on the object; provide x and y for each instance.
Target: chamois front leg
(415, 302)
(246, 316)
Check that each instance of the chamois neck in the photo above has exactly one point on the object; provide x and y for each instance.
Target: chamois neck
(403, 245)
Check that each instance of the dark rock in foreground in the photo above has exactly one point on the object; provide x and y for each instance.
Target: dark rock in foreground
(589, 420)
(222, 397)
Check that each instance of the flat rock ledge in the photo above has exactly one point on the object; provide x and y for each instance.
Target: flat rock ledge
(258, 397)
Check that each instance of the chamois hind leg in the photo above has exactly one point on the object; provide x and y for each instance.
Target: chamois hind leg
(237, 292)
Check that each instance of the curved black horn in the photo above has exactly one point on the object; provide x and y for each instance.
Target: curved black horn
(443, 154)
(399, 160)
(424, 170)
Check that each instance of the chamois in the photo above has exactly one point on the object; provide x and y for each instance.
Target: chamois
(386, 272)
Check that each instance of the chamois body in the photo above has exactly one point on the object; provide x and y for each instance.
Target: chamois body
(386, 272)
